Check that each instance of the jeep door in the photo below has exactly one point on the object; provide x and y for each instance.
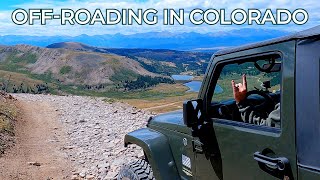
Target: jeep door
(252, 151)
(308, 108)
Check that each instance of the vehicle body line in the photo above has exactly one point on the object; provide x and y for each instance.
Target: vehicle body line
(162, 128)
(312, 168)
(241, 125)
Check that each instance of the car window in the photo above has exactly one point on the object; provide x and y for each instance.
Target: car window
(263, 82)
(255, 78)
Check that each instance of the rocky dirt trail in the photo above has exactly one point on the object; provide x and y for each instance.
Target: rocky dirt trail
(36, 154)
(71, 137)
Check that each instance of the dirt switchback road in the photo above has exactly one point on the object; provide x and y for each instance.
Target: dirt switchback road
(37, 152)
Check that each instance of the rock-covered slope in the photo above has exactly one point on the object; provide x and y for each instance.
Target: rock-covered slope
(95, 132)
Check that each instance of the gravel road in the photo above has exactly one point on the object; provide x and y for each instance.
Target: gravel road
(94, 132)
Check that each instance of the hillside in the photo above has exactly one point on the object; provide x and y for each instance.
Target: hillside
(8, 114)
(76, 68)
(160, 61)
(30, 64)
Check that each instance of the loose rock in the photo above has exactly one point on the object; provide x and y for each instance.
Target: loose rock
(34, 163)
(95, 131)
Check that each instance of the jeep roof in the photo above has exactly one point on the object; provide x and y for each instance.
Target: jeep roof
(315, 31)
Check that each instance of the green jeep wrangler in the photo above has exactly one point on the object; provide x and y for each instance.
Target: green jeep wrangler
(218, 137)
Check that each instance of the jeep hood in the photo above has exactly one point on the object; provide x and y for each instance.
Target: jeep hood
(171, 121)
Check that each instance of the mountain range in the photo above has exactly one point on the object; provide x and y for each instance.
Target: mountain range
(75, 66)
(69, 63)
(155, 40)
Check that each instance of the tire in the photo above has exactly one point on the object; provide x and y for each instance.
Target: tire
(136, 170)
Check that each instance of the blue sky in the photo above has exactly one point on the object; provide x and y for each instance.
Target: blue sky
(5, 5)
(7, 27)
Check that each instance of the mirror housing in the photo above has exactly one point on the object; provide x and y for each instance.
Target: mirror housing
(192, 112)
(276, 67)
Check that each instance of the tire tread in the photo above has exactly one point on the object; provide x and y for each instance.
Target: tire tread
(140, 168)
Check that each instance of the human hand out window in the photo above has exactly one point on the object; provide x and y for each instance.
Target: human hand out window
(240, 90)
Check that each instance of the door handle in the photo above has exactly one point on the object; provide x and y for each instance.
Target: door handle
(275, 163)
(278, 167)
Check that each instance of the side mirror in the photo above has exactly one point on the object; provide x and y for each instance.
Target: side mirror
(275, 67)
(192, 112)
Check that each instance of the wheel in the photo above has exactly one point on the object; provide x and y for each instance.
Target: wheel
(136, 170)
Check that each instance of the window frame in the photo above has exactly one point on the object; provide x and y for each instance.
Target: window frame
(213, 82)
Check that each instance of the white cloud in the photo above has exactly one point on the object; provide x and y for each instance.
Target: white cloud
(54, 27)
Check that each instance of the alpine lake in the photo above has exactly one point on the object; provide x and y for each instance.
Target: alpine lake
(193, 85)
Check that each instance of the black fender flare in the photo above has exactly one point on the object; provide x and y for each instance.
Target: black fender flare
(157, 149)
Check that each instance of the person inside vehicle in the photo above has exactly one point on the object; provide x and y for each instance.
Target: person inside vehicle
(247, 114)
